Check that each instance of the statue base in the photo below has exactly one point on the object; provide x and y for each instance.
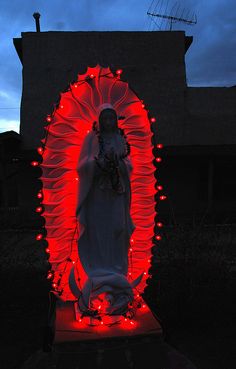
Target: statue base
(70, 327)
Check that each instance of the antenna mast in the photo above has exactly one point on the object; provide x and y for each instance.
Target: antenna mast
(158, 10)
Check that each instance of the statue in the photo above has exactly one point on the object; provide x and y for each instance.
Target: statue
(98, 197)
(103, 213)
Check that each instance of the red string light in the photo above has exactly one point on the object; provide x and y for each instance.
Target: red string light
(34, 163)
(119, 71)
(158, 159)
(159, 146)
(39, 236)
(153, 120)
(163, 197)
(39, 209)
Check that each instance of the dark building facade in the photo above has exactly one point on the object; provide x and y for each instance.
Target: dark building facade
(195, 125)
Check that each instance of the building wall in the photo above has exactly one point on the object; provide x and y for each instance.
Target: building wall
(153, 64)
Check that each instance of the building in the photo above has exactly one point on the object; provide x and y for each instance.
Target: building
(196, 125)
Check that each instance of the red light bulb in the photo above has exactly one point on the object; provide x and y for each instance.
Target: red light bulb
(158, 159)
(34, 163)
(39, 209)
(153, 119)
(75, 85)
(158, 237)
(159, 146)
(91, 75)
(39, 236)
(159, 224)
(61, 106)
(143, 106)
(49, 276)
(49, 119)
(119, 71)
(39, 195)
(159, 188)
(47, 250)
(162, 197)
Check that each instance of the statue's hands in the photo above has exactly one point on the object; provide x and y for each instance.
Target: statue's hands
(108, 162)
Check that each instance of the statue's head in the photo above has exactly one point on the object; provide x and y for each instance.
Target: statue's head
(107, 118)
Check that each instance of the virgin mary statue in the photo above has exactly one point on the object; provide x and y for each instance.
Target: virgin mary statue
(103, 214)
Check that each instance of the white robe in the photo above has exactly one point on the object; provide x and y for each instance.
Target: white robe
(105, 227)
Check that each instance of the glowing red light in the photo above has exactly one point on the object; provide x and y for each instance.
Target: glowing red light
(158, 237)
(159, 146)
(99, 307)
(149, 260)
(34, 163)
(49, 275)
(101, 322)
(61, 106)
(73, 262)
(131, 322)
(47, 250)
(76, 178)
(153, 119)
(80, 320)
(88, 131)
(145, 273)
(130, 250)
(163, 197)
(158, 159)
(39, 209)
(159, 224)
(130, 273)
(159, 188)
(49, 118)
(143, 306)
(39, 236)
(39, 195)
(54, 285)
(143, 106)
(75, 85)
(132, 240)
(91, 75)
(119, 71)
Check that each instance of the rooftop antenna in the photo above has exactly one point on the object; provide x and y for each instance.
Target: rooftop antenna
(36, 17)
(158, 13)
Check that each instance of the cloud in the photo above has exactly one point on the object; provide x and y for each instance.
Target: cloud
(9, 125)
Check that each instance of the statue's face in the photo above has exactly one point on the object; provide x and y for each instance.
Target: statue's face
(108, 120)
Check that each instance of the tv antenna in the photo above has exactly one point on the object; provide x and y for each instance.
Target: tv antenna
(158, 14)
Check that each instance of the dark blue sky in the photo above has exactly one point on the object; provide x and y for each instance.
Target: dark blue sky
(210, 61)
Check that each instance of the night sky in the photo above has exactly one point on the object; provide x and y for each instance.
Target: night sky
(210, 61)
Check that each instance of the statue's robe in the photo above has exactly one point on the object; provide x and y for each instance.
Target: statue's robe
(105, 227)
